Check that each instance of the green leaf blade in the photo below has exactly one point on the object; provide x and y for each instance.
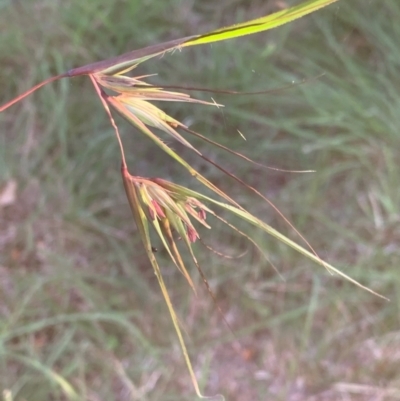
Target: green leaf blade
(260, 24)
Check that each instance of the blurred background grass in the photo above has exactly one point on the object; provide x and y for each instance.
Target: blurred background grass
(81, 313)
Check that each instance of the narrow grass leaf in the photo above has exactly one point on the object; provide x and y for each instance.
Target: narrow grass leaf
(66, 387)
(260, 24)
(131, 59)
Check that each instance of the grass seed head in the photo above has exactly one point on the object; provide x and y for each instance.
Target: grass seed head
(160, 202)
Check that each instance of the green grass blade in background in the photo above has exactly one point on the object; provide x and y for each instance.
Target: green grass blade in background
(67, 388)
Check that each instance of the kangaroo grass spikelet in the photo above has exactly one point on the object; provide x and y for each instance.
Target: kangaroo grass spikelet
(173, 211)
